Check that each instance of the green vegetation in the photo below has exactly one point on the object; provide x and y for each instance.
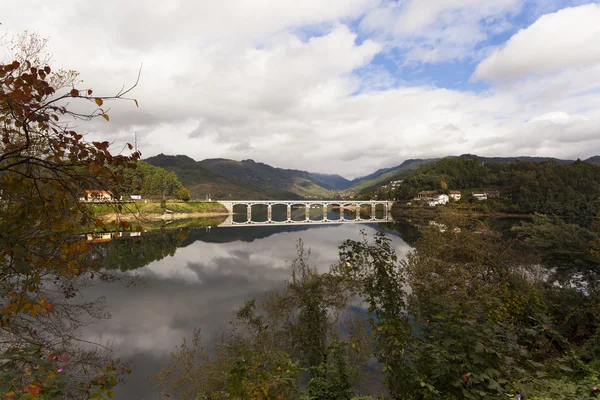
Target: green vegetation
(486, 317)
(526, 187)
(370, 183)
(129, 253)
(44, 166)
(145, 208)
(228, 179)
(152, 182)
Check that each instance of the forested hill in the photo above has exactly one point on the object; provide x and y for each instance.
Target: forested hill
(228, 179)
(371, 183)
(152, 182)
(548, 187)
(383, 176)
(301, 182)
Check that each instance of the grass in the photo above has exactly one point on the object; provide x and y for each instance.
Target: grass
(155, 208)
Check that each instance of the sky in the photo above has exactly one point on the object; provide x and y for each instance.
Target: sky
(337, 86)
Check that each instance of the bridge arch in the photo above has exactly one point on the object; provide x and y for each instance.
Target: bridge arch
(308, 204)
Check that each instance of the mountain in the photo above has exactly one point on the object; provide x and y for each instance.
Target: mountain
(302, 183)
(202, 182)
(593, 160)
(248, 179)
(335, 182)
(229, 179)
(513, 159)
(386, 175)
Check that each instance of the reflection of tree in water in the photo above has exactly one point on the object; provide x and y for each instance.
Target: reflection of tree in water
(129, 253)
(407, 232)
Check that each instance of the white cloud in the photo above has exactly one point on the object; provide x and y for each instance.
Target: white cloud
(569, 38)
(431, 31)
(225, 82)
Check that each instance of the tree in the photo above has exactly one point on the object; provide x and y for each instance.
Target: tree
(183, 194)
(481, 324)
(44, 167)
(373, 269)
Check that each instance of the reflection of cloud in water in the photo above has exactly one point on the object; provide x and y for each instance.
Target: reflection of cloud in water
(200, 286)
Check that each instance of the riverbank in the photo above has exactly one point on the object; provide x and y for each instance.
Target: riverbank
(402, 211)
(153, 212)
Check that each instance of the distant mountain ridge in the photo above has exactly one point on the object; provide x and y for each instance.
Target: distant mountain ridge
(264, 174)
(247, 179)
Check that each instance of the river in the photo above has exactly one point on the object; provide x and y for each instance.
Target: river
(196, 278)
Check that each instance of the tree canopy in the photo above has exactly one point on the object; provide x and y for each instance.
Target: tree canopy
(152, 182)
(44, 165)
(545, 187)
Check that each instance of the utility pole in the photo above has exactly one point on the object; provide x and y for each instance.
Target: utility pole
(135, 141)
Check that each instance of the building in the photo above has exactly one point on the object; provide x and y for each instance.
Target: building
(492, 193)
(426, 194)
(455, 195)
(479, 195)
(395, 184)
(439, 199)
(96, 196)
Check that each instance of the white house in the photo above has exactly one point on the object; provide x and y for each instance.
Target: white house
(96, 196)
(455, 195)
(479, 195)
(439, 199)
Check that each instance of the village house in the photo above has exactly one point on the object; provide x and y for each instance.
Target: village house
(455, 195)
(492, 193)
(426, 195)
(439, 199)
(486, 194)
(133, 197)
(96, 196)
(479, 195)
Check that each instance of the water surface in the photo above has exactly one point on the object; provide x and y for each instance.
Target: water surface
(197, 278)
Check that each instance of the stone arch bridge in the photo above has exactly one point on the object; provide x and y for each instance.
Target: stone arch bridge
(308, 204)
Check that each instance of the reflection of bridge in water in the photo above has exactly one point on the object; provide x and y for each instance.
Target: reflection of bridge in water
(355, 206)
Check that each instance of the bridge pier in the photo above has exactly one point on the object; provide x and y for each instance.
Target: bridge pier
(325, 212)
(307, 212)
(289, 213)
(358, 212)
(342, 212)
(373, 209)
(249, 213)
(269, 213)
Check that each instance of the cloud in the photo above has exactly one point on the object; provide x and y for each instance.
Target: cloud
(316, 86)
(432, 31)
(569, 38)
